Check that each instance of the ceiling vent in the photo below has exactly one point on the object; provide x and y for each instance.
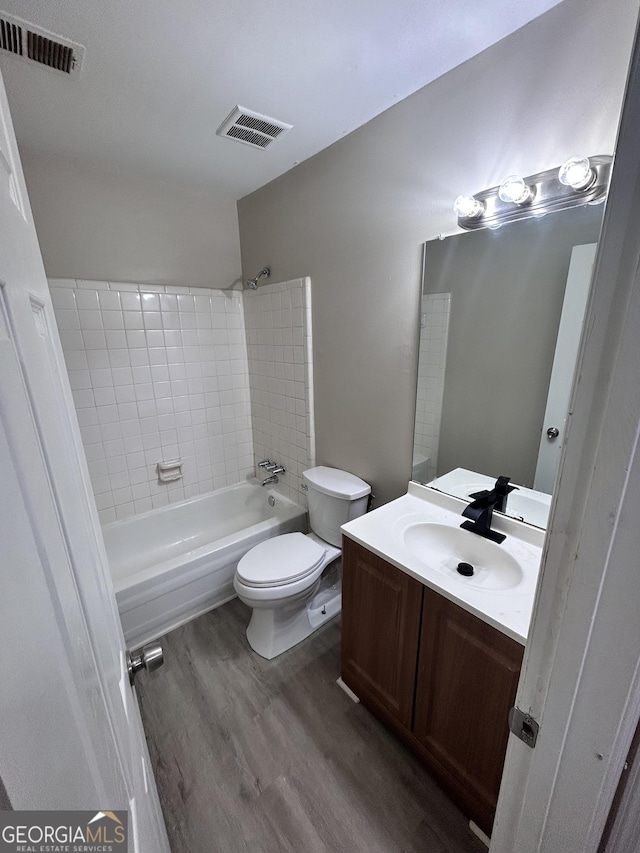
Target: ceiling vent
(39, 47)
(251, 128)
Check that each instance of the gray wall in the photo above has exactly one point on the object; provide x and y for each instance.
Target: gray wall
(507, 289)
(96, 224)
(5, 802)
(354, 216)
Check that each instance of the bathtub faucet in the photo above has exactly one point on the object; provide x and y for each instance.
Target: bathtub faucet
(274, 475)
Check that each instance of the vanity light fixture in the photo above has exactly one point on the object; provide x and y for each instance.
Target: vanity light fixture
(468, 207)
(576, 172)
(516, 190)
(580, 180)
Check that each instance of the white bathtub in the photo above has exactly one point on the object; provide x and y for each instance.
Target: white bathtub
(174, 563)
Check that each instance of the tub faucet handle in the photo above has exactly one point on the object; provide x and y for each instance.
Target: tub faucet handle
(277, 470)
(264, 463)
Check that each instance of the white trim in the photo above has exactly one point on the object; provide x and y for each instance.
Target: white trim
(348, 691)
(479, 833)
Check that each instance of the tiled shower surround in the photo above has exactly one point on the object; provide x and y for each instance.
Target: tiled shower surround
(278, 328)
(159, 373)
(434, 332)
(156, 375)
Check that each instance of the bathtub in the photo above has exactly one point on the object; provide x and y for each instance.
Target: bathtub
(172, 564)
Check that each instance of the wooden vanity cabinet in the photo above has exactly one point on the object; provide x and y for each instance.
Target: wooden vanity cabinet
(466, 682)
(381, 631)
(443, 679)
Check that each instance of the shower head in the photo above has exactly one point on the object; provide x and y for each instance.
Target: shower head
(252, 283)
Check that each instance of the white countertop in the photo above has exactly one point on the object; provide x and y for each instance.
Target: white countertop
(508, 610)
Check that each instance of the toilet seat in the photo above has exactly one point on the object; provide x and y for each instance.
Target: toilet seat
(281, 560)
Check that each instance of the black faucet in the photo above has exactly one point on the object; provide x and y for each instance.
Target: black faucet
(480, 511)
(502, 489)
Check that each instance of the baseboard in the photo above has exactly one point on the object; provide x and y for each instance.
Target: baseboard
(347, 690)
(479, 833)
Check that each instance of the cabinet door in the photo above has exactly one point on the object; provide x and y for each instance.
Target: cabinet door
(381, 608)
(467, 678)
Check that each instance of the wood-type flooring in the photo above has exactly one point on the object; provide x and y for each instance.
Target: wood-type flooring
(257, 756)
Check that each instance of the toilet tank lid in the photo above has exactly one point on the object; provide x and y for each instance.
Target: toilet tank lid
(337, 483)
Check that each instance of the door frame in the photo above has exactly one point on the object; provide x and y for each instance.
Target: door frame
(581, 672)
(565, 359)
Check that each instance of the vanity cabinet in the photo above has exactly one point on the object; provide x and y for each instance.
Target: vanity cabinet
(466, 682)
(443, 679)
(381, 631)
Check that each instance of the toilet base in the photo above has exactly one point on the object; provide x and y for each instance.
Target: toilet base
(273, 631)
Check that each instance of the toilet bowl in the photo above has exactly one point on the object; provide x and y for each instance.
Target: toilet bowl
(292, 581)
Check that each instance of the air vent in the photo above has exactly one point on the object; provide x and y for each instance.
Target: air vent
(40, 47)
(252, 128)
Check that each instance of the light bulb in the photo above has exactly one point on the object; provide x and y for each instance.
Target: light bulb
(468, 207)
(513, 189)
(576, 172)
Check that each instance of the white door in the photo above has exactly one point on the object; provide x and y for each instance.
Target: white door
(574, 305)
(71, 735)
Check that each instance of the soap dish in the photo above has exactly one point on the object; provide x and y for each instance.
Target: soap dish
(169, 470)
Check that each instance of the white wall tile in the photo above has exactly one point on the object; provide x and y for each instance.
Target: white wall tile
(119, 358)
(138, 358)
(132, 319)
(104, 396)
(125, 394)
(135, 339)
(69, 319)
(277, 321)
(118, 339)
(169, 375)
(98, 358)
(62, 282)
(87, 300)
(435, 312)
(112, 319)
(82, 284)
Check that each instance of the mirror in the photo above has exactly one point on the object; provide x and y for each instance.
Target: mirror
(493, 314)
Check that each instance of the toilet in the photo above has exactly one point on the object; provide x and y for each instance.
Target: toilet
(291, 581)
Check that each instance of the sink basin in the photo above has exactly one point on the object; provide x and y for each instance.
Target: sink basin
(531, 509)
(442, 547)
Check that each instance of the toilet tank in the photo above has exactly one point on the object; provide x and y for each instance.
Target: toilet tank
(334, 497)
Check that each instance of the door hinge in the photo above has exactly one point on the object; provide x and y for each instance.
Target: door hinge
(523, 726)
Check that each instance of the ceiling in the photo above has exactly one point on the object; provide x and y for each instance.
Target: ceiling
(159, 77)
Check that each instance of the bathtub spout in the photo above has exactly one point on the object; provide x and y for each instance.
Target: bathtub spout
(272, 479)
